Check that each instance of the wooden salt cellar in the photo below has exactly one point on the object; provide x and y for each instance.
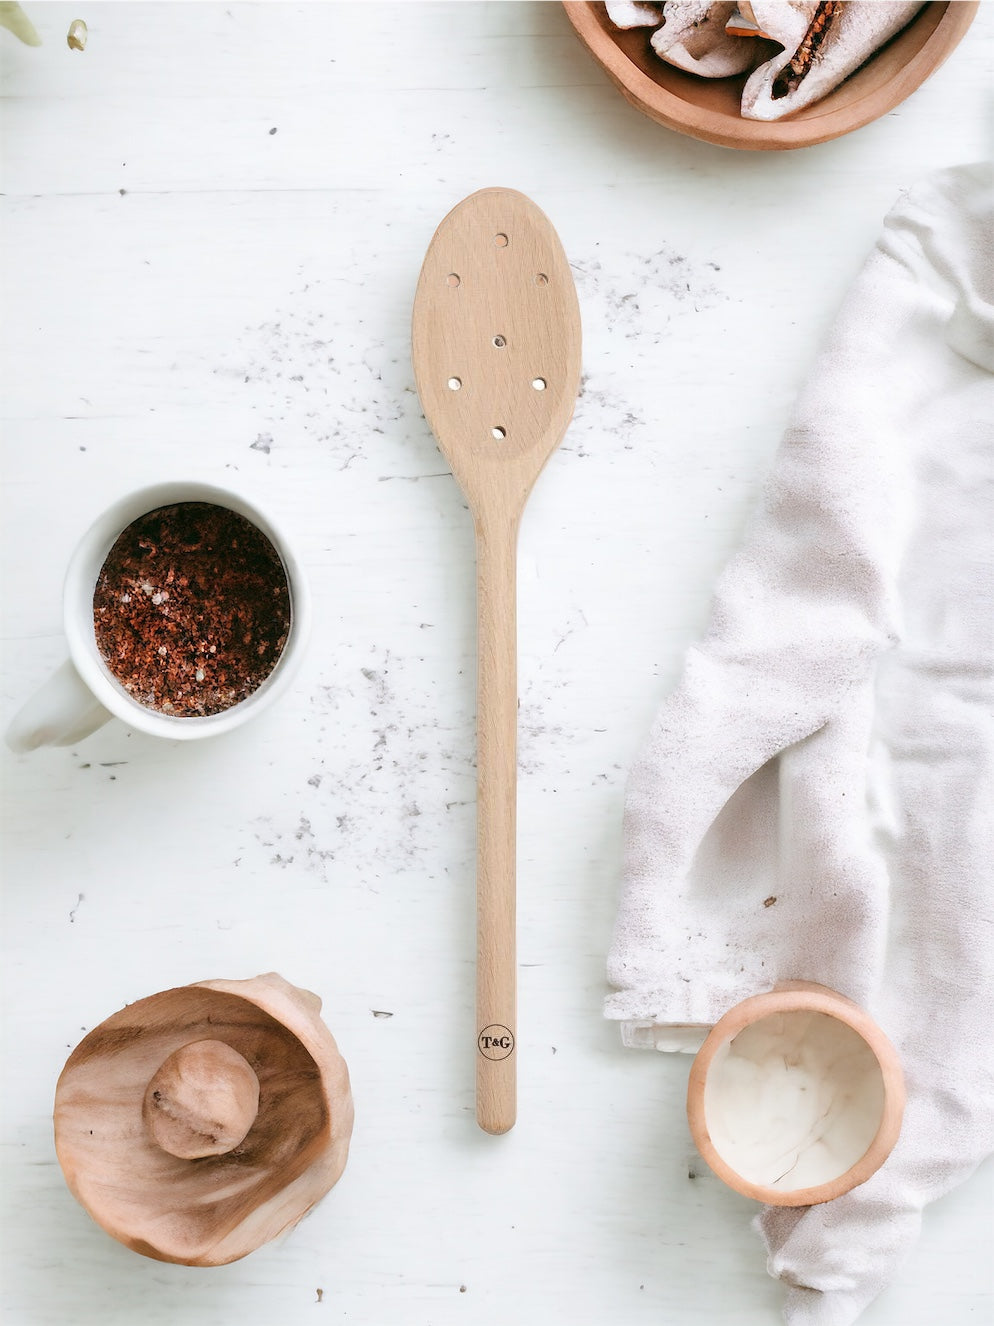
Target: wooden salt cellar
(785, 998)
(199, 1123)
(709, 108)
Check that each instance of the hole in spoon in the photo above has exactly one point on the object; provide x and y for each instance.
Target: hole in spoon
(498, 434)
(541, 278)
(500, 342)
(455, 384)
(539, 384)
(500, 239)
(452, 279)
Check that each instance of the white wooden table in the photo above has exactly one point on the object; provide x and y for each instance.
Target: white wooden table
(214, 221)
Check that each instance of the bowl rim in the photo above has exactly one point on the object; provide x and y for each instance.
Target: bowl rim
(726, 130)
(792, 997)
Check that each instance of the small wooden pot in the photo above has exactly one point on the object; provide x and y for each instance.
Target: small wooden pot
(199, 1123)
(743, 1108)
(709, 108)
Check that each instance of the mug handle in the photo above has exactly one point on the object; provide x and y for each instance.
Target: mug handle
(62, 712)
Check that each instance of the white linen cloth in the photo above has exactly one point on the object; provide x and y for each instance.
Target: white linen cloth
(815, 799)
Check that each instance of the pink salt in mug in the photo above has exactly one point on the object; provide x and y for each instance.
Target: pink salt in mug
(83, 693)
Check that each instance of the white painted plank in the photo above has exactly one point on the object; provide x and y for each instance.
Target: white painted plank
(251, 286)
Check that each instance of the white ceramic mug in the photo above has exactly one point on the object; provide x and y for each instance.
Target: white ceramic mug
(83, 694)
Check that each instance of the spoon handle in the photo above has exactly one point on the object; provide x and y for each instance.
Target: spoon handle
(497, 740)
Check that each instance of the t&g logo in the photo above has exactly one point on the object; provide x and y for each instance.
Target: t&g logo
(495, 1041)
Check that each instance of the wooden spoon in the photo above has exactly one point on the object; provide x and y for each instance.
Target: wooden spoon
(496, 343)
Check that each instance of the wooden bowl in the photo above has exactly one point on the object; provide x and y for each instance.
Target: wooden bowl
(201, 1122)
(709, 108)
(796, 1096)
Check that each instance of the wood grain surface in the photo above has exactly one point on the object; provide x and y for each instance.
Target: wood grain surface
(205, 1207)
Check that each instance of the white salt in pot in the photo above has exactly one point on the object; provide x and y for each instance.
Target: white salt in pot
(796, 1096)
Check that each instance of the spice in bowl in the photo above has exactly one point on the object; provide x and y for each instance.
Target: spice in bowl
(191, 609)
